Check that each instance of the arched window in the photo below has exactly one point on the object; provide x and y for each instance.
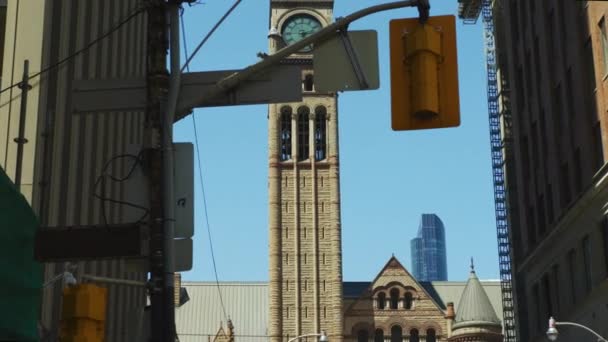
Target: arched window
(414, 335)
(381, 300)
(285, 133)
(430, 335)
(303, 128)
(408, 300)
(379, 335)
(362, 336)
(396, 334)
(320, 133)
(394, 299)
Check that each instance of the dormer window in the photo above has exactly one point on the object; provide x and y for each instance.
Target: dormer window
(394, 299)
(309, 82)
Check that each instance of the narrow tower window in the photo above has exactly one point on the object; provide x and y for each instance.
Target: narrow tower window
(285, 133)
(303, 128)
(320, 132)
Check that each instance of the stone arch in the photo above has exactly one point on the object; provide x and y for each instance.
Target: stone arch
(362, 331)
(431, 325)
(396, 333)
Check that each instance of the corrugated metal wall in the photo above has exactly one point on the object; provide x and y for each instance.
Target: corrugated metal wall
(67, 152)
(246, 305)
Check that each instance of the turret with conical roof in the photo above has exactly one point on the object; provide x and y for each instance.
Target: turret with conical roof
(475, 319)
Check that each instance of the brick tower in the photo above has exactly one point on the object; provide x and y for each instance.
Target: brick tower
(304, 191)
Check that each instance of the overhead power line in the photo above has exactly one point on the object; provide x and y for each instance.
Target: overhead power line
(236, 3)
(198, 156)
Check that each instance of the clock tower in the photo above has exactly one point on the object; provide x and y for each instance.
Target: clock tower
(305, 276)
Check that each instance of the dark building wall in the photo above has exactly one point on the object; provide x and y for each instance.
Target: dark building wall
(555, 57)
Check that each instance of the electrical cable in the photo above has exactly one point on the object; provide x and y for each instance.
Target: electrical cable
(200, 173)
(105, 174)
(88, 46)
(236, 3)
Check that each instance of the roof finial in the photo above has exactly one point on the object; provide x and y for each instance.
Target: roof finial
(472, 266)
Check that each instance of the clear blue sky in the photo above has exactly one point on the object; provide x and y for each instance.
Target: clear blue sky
(388, 179)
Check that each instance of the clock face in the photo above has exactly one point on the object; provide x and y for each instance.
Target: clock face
(298, 27)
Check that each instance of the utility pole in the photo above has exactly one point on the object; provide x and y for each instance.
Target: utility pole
(157, 80)
(21, 140)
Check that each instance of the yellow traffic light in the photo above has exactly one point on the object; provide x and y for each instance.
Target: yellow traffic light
(84, 313)
(424, 73)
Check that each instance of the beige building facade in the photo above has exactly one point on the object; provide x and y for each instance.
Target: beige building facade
(66, 153)
(553, 61)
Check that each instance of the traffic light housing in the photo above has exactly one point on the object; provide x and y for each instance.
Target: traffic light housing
(83, 314)
(424, 73)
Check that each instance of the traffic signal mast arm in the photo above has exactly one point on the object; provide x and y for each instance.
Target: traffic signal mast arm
(235, 79)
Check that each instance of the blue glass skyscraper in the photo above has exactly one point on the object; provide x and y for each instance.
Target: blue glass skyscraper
(429, 260)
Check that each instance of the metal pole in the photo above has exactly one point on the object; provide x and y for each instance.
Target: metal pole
(21, 140)
(157, 89)
(113, 280)
(168, 165)
(235, 79)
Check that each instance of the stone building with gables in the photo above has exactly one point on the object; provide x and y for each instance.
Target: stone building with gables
(394, 307)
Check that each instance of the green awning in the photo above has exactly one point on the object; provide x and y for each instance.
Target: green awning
(20, 274)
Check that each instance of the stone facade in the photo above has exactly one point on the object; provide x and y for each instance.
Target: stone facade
(553, 63)
(395, 308)
(304, 200)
